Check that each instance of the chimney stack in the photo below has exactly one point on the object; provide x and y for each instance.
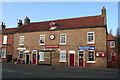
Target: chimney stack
(26, 20)
(3, 25)
(104, 14)
(20, 23)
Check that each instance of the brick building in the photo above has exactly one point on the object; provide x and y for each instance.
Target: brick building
(78, 41)
(112, 51)
(6, 47)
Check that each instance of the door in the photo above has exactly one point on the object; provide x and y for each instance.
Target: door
(34, 58)
(81, 58)
(27, 59)
(71, 59)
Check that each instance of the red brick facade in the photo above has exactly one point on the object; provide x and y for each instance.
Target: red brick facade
(112, 51)
(8, 46)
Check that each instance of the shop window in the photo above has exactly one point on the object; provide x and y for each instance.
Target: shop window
(20, 54)
(91, 55)
(21, 42)
(41, 56)
(42, 40)
(112, 44)
(62, 38)
(3, 55)
(90, 38)
(62, 56)
(5, 39)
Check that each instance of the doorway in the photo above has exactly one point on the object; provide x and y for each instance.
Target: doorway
(27, 58)
(81, 58)
(34, 58)
(71, 58)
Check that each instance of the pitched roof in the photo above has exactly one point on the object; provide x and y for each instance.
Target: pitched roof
(65, 23)
(8, 30)
(111, 37)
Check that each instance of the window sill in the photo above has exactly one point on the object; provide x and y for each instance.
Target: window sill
(91, 62)
(41, 60)
(62, 43)
(112, 46)
(62, 61)
(21, 44)
(41, 44)
(90, 42)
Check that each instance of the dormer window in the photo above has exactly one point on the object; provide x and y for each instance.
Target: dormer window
(112, 44)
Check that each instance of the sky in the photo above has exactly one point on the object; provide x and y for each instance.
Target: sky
(46, 11)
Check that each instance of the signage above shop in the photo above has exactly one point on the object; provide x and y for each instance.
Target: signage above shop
(52, 46)
(100, 54)
(52, 37)
(53, 26)
(86, 48)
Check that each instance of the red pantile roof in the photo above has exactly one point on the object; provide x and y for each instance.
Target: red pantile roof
(8, 30)
(111, 37)
(65, 23)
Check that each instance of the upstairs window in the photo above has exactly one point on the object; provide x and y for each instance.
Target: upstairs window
(112, 44)
(90, 38)
(62, 38)
(21, 42)
(62, 56)
(5, 39)
(42, 40)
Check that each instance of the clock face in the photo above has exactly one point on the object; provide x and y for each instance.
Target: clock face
(52, 36)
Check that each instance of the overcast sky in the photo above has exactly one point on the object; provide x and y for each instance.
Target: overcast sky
(44, 11)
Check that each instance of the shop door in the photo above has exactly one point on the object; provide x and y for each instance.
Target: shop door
(27, 59)
(81, 60)
(71, 59)
(34, 58)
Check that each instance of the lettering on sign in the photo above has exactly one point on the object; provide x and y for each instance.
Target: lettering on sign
(52, 46)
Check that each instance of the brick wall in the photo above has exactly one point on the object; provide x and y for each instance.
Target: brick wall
(75, 38)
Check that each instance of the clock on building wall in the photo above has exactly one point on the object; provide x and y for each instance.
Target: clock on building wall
(52, 37)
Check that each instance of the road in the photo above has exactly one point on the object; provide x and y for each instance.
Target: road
(42, 71)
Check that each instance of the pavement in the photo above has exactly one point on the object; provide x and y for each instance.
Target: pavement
(10, 70)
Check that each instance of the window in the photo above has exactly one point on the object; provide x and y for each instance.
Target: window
(90, 37)
(41, 56)
(20, 55)
(42, 40)
(112, 44)
(91, 55)
(62, 56)
(21, 42)
(5, 39)
(62, 38)
(3, 53)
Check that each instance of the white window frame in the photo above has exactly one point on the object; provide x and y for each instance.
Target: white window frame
(20, 53)
(94, 57)
(3, 52)
(62, 60)
(111, 44)
(20, 39)
(5, 38)
(65, 39)
(40, 39)
(93, 38)
(41, 56)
